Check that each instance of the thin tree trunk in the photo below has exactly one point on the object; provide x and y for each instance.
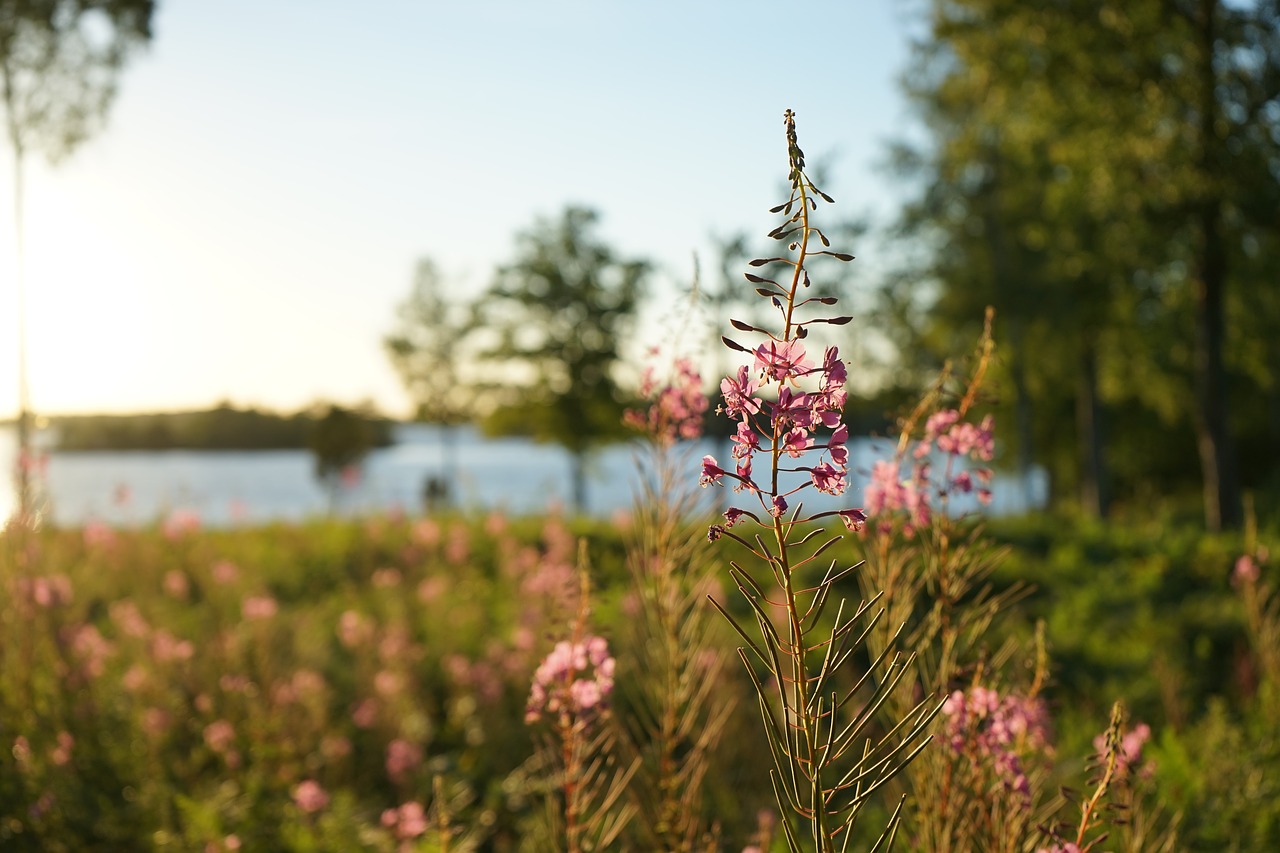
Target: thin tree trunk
(26, 458)
(1217, 463)
(1093, 487)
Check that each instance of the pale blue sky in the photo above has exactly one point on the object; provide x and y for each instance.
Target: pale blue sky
(249, 218)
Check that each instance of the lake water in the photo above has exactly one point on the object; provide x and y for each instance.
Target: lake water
(515, 475)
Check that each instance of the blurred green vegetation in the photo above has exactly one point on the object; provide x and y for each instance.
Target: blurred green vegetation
(440, 623)
(224, 427)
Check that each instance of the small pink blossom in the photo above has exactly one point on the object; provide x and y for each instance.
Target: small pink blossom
(365, 714)
(259, 607)
(853, 518)
(219, 736)
(99, 534)
(181, 523)
(1246, 571)
(408, 821)
(711, 472)
(739, 394)
(225, 572)
(782, 360)
(403, 757)
(61, 753)
(310, 797)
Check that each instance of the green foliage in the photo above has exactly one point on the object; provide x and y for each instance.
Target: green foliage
(222, 428)
(554, 319)
(1099, 173)
(58, 62)
(425, 350)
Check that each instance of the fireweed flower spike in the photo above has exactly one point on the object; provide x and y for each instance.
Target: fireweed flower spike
(788, 407)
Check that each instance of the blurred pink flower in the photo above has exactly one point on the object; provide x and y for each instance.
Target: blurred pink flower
(225, 572)
(309, 796)
(128, 619)
(557, 685)
(99, 534)
(388, 684)
(365, 714)
(61, 754)
(353, 629)
(91, 648)
(259, 607)
(386, 578)
(432, 588)
(21, 750)
(403, 758)
(408, 821)
(426, 533)
(1246, 571)
(219, 736)
(458, 548)
(176, 584)
(155, 721)
(166, 647)
(180, 523)
(334, 747)
(46, 591)
(135, 678)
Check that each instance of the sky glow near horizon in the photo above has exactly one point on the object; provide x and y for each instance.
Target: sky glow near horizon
(251, 214)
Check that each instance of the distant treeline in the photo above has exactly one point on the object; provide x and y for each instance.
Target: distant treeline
(221, 428)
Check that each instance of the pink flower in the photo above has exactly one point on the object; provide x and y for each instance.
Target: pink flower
(353, 629)
(259, 607)
(739, 394)
(745, 441)
(225, 572)
(219, 736)
(796, 442)
(365, 714)
(408, 821)
(61, 754)
(98, 534)
(403, 758)
(711, 472)
(1246, 571)
(675, 409)
(176, 584)
(834, 374)
(181, 522)
(782, 360)
(310, 797)
(574, 679)
(828, 480)
(853, 518)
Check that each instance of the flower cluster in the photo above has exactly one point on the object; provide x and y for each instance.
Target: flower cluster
(995, 732)
(798, 423)
(890, 489)
(675, 407)
(575, 679)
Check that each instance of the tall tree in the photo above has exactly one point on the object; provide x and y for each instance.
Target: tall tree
(426, 350)
(554, 318)
(59, 63)
(1146, 133)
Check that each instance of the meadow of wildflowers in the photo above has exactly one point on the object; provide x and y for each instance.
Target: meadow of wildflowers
(885, 674)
